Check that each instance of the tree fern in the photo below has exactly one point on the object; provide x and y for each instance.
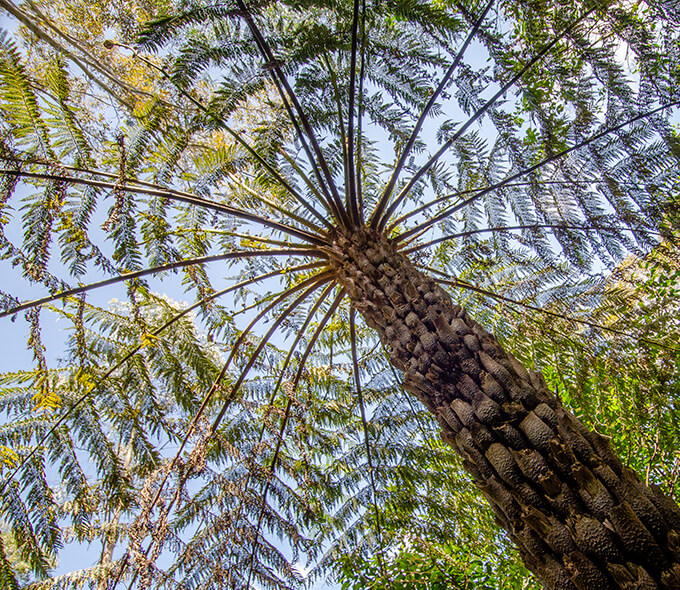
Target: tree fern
(252, 143)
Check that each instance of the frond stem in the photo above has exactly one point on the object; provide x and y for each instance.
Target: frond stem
(544, 162)
(465, 285)
(273, 205)
(284, 367)
(367, 444)
(350, 190)
(147, 271)
(237, 136)
(310, 185)
(450, 196)
(284, 420)
(376, 220)
(177, 196)
(360, 114)
(380, 224)
(321, 160)
(465, 234)
(312, 283)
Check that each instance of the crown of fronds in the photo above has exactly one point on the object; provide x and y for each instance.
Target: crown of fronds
(515, 150)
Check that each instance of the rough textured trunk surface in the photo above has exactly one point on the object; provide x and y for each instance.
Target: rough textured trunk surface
(579, 517)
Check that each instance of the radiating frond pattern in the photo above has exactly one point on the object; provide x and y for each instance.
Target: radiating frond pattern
(261, 232)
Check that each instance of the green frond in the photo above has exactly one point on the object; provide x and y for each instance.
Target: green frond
(19, 104)
(8, 576)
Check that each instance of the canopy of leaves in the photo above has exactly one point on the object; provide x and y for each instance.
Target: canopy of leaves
(256, 436)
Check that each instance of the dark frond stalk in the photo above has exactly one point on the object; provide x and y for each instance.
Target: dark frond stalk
(326, 198)
(362, 73)
(232, 234)
(337, 96)
(313, 189)
(312, 284)
(177, 196)
(301, 332)
(457, 207)
(31, 159)
(134, 350)
(235, 134)
(578, 516)
(351, 189)
(396, 222)
(284, 421)
(273, 172)
(281, 81)
(289, 356)
(156, 269)
(376, 217)
(458, 283)
(273, 205)
(316, 282)
(491, 230)
(321, 279)
(380, 224)
(367, 443)
(412, 239)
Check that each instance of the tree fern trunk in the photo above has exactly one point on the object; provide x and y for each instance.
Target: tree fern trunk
(579, 518)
